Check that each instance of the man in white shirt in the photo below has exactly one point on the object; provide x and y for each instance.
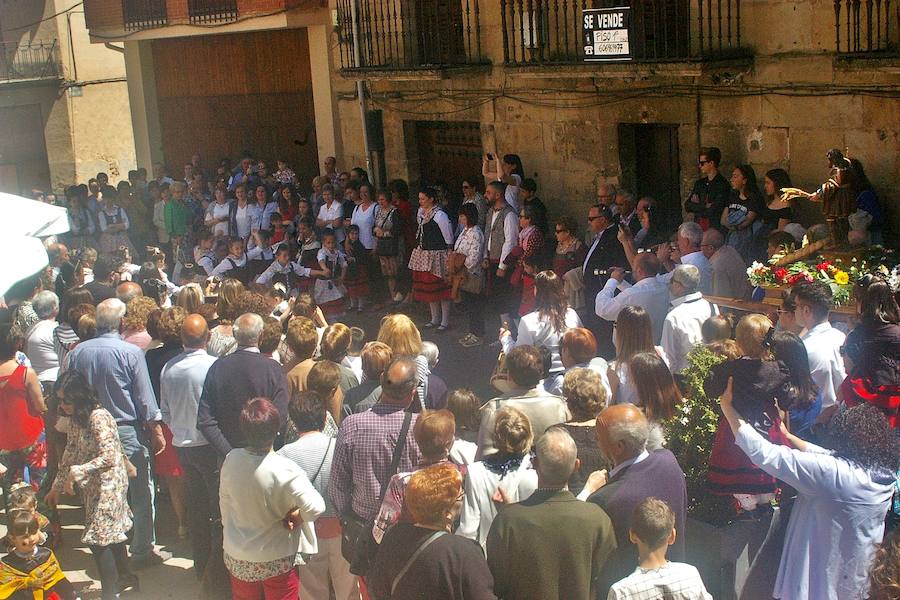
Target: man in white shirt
(687, 252)
(39, 338)
(823, 342)
(729, 271)
(180, 386)
(681, 329)
(648, 292)
(500, 237)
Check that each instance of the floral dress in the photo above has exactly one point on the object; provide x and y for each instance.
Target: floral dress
(95, 458)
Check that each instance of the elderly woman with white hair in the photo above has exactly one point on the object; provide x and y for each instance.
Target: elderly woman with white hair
(39, 345)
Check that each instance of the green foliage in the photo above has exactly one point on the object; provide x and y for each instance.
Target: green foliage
(690, 434)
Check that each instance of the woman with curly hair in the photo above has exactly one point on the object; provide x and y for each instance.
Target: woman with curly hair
(167, 464)
(843, 495)
(134, 323)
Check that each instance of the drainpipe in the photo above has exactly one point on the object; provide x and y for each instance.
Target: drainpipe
(361, 85)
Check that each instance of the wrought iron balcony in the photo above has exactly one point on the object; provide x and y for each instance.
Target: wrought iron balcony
(539, 32)
(22, 62)
(144, 14)
(861, 27)
(201, 12)
(409, 34)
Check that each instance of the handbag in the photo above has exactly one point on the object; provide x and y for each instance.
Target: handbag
(500, 379)
(387, 246)
(358, 546)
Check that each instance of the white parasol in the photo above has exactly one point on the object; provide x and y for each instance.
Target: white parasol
(22, 223)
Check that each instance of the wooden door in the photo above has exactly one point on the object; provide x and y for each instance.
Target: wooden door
(649, 161)
(448, 152)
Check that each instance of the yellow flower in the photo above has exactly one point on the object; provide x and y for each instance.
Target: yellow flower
(841, 278)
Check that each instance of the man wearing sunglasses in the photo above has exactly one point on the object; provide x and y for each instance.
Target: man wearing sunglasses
(710, 193)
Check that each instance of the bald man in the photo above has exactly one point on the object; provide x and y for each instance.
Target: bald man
(180, 387)
(622, 431)
(127, 291)
(648, 292)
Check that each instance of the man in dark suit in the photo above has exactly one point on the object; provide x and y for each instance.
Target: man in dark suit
(550, 546)
(622, 431)
(605, 252)
(233, 380)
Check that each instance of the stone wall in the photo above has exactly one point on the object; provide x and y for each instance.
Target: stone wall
(784, 107)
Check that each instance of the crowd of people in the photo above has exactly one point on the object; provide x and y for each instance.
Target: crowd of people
(305, 458)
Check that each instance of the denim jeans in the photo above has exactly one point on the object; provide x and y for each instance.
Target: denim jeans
(140, 490)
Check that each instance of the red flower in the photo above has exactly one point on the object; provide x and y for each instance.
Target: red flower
(823, 266)
(798, 277)
(781, 274)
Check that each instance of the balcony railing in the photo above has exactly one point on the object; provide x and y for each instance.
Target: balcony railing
(29, 61)
(550, 31)
(409, 34)
(144, 14)
(201, 12)
(866, 26)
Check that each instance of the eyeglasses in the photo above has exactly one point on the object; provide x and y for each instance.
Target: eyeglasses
(592, 219)
(702, 162)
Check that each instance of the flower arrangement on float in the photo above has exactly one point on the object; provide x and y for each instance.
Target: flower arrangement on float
(839, 272)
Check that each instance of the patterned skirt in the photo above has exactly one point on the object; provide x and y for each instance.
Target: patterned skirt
(357, 284)
(427, 287)
(731, 472)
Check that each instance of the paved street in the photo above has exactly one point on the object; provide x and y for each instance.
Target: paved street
(460, 367)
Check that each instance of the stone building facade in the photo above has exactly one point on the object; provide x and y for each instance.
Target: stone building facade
(64, 109)
(773, 84)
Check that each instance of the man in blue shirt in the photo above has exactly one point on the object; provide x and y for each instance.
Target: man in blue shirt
(118, 373)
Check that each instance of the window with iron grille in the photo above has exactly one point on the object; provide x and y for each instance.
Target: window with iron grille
(212, 11)
(144, 14)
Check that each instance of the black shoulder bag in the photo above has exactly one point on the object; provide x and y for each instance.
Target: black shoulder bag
(358, 546)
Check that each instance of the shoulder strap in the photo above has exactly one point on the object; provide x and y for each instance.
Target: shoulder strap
(324, 456)
(412, 559)
(398, 452)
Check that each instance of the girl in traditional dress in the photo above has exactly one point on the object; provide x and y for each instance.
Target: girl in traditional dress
(428, 262)
(330, 291)
(30, 570)
(114, 224)
(357, 276)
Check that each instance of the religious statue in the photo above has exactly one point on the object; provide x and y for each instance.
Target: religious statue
(836, 195)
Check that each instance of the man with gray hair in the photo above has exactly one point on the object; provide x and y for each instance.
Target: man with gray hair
(117, 370)
(550, 546)
(233, 380)
(729, 271)
(681, 328)
(39, 338)
(622, 431)
(687, 251)
(627, 211)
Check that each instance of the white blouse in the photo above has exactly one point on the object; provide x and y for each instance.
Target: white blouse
(533, 331)
(471, 243)
(218, 211)
(365, 219)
